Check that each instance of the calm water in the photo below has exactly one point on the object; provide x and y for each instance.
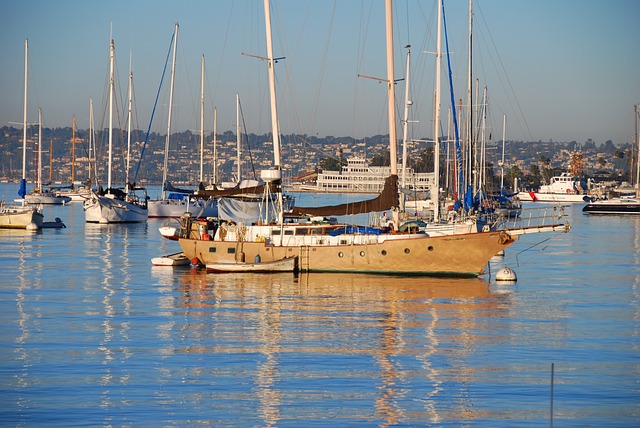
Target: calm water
(93, 335)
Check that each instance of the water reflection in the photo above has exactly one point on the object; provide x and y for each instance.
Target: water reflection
(399, 324)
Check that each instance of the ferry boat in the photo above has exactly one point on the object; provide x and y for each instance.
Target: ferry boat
(357, 176)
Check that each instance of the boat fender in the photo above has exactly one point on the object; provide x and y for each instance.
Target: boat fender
(195, 261)
(206, 237)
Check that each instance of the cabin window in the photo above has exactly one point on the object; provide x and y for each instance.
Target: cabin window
(361, 253)
(212, 249)
(383, 252)
(231, 250)
(343, 242)
(288, 232)
(407, 251)
(340, 254)
(302, 231)
(275, 232)
(430, 248)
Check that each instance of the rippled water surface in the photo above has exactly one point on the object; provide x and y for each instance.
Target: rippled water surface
(93, 335)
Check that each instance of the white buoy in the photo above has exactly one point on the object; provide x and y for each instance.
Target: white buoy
(32, 226)
(506, 274)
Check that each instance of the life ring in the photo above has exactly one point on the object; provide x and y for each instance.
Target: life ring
(569, 191)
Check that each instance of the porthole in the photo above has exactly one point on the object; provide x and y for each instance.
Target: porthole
(407, 251)
(383, 252)
(361, 253)
(340, 254)
(430, 248)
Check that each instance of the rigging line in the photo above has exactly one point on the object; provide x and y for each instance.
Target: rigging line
(506, 76)
(246, 138)
(535, 245)
(155, 104)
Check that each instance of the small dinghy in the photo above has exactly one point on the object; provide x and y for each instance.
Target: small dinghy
(177, 259)
(288, 264)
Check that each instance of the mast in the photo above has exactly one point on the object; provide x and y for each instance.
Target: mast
(393, 156)
(215, 145)
(129, 124)
(166, 145)
(111, 89)
(202, 121)
(73, 150)
(51, 160)
(238, 148)
(275, 127)
(469, 163)
(24, 111)
(504, 130)
(405, 122)
(92, 149)
(435, 191)
(40, 149)
(637, 143)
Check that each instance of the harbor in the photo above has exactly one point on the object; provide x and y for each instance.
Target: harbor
(97, 335)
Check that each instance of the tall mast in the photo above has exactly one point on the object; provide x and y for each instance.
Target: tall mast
(393, 155)
(202, 121)
(405, 122)
(238, 139)
(435, 191)
(215, 145)
(166, 145)
(469, 163)
(24, 111)
(92, 151)
(111, 88)
(275, 126)
(635, 131)
(73, 150)
(504, 131)
(129, 124)
(40, 149)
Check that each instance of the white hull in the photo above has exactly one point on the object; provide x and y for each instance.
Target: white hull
(105, 209)
(551, 197)
(76, 195)
(174, 208)
(177, 259)
(619, 206)
(288, 264)
(20, 218)
(46, 198)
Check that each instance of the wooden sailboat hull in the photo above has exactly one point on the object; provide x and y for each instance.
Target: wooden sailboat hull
(405, 254)
(103, 209)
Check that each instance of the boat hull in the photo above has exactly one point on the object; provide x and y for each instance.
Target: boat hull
(174, 208)
(46, 199)
(103, 209)
(21, 218)
(552, 197)
(288, 264)
(177, 259)
(405, 254)
(613, 206)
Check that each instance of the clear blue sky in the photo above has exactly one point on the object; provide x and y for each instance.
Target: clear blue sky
(560, 70)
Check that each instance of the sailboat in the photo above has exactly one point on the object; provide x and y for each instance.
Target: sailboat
(623, 204)
(115, 205)
(322, 245)
(175, 202)
(40, 195)
(22, 216)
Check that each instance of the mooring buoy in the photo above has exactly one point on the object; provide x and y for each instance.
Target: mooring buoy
(506, 274)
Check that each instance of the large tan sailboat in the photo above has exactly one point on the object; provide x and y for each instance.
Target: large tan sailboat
(319, 244)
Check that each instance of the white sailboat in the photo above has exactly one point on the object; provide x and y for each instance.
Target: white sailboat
(320, 245)
(625, 204)
(175, 202)
(115, 205)
(22, 216)
(40, 195)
